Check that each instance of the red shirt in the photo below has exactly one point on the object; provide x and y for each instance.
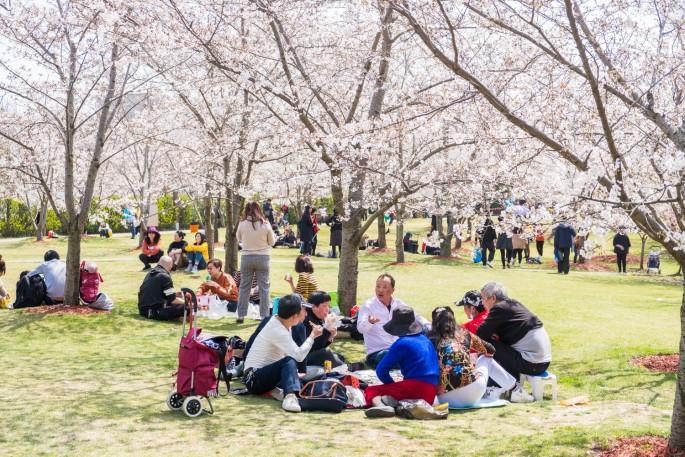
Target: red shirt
(473, 324)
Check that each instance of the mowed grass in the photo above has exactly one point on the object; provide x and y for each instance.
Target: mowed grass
(97, 384)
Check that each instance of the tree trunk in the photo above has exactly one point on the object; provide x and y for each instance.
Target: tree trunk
(219, 219)
(73, 260)
(177, 209)
(643, 239)
(209, 226)
(399, 233)
(677, 438)
(348, 273)
(234, 204)
(381, 233)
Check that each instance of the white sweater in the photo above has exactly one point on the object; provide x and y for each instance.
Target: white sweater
(257, 240)
(274, 343)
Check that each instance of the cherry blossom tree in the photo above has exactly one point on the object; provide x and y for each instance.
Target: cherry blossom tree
(601, 91)
(66, 70)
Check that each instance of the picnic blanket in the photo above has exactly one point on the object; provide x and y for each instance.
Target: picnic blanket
(485, 403)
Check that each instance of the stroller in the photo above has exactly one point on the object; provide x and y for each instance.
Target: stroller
(654, 261)
(197, 360)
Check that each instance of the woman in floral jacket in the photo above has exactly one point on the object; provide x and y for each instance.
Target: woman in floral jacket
(463, 383)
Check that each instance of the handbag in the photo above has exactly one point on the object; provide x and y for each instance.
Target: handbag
(323, 395)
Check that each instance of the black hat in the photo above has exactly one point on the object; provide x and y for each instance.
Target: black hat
(471, 298)
(403, 322)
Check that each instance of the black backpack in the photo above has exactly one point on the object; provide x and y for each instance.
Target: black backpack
(30, 292)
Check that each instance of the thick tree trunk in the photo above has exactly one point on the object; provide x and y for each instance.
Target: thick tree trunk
(399, 233)
(399, 243)
(209, 226)
(73, 261)
(677, 438)
(643, 239)
(381, 233)
(234, 204)
(348, 273)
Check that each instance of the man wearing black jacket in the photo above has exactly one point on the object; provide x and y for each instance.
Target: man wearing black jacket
(318, 307)
(488, 243)
(157, 298)
(521, 342)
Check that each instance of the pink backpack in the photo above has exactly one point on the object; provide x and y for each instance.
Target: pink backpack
(90, 284)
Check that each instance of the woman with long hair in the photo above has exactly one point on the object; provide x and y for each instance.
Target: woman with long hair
(256, 238)
(198, 253)
(306, 228)
(177, 250)
(463, 383)
(306, 282)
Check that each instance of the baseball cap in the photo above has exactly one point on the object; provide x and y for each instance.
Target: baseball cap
(471, 298)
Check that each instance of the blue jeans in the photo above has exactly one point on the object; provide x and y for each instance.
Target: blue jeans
(198, 259)
(281, 374)
(374, 359)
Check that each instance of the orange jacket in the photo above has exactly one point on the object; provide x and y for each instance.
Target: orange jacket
(227, 289)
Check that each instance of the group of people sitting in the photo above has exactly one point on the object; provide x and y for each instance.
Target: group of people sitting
(192, 257)
(457, 364)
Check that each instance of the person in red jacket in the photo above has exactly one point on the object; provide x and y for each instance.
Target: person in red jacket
(151, 251)
(474, 310)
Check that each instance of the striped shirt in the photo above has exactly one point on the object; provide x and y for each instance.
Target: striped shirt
(306, 285)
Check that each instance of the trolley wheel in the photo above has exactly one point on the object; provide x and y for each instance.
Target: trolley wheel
(659, 271)
(174, 401)
(192, 406)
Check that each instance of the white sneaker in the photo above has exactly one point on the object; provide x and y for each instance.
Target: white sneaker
(277, 393)
(519, 395)
(291, 403)
(489, 264)
(494, 393)
(194, 270)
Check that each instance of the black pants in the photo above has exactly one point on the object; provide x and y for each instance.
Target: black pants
(148, 259)
(539, 245)
(576, 255)
(621, 260)
(319, 356)
(505, 254)
(563, 265)
(490, 251)
(281, 374)
(166, 313)
(513, 363)
(518, 253)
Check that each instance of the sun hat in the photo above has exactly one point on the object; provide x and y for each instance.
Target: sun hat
(471, 298)
(151, 229)
(403, 322)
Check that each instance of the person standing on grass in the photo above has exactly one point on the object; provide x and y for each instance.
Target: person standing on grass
(539, 239)
(521, 343)
(488, 243)
(256, 238)
(306, 229)
(519, 243)
(336, 231)
(157, 298)
(621, 248)
(374, 314)
(273, 356)
(152, 250)
(564, 235)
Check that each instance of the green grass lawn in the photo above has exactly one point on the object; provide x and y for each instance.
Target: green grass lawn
(97, 384)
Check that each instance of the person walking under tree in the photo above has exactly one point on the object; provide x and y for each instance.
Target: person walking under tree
(621, 247)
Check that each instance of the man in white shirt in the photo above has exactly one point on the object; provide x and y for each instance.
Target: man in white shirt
(54, 272)
(374, 314)
(272, 360)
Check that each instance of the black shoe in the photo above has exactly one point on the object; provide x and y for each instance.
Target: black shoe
(240, 320)
(356, 366)
(146, 268)
(173, 268)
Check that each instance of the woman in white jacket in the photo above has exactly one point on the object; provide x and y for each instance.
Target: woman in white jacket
(256, 238)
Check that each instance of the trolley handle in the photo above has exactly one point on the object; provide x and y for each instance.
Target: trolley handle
(193, 298)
